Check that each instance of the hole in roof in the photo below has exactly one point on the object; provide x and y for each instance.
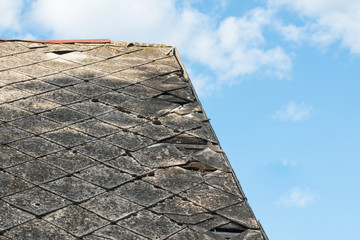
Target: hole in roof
(138, 177)
(191, 168)
(35, 47)
(63, 52)
(95, 100)
(228, 231)
(156, 122)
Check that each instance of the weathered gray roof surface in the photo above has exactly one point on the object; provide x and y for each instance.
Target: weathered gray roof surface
(109, 141)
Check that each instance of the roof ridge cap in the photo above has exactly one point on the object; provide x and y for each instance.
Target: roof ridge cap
(139, 44)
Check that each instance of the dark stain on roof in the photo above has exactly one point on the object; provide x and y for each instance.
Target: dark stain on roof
(107, 140)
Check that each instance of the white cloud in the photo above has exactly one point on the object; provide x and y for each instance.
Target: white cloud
(293, 112)
(324, 21)
(297, 197)
(9, 15)
(229, 48)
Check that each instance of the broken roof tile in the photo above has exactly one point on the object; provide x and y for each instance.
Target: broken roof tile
(107, 140)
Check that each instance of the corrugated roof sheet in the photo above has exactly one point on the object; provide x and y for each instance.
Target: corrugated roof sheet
(109, 141)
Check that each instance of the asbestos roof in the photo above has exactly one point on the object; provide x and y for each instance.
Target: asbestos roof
(108, 140)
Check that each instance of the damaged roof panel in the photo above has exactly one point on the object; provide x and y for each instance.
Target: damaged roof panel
(108, 140)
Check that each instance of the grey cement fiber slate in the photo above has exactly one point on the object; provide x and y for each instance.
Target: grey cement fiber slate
(109, 141)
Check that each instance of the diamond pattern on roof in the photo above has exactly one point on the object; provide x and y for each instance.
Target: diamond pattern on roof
(154, 130)
(121, 119)
(36, 124)
(107, 140)
(174, 179)
(210, 197)
(37, 201)
(99, 150)
(38, 230)
(91, 107)
(9, 77)
(104, 176)
(76, 220)
(12, 62)
(160, 155)
(60, 80)
(69, 160)
(142, 193)
(11, 217)
(36, 104)
(67, 137)
(62, 96)
(65, 115)
(113, 232)
(9, 94)
(9, 112)
(35, 71)
(72, 188)
(10, 134)
(36, 172)
(95, 128)
(85, 73)
(140, 91)
(35, 86)
(129, 141)
(11, 184)
(151, 225)
(36, 146)
(87, 89)
(110, 206)
(129, 165)
(10, 157)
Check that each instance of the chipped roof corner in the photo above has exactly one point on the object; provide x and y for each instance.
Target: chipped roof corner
(105, 139)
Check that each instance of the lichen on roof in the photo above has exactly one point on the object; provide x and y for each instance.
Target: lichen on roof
(108, 140)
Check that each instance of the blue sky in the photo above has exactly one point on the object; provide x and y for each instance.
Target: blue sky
(278, 78)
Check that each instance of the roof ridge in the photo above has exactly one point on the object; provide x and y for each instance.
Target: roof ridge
(60, 41)
(105, 40)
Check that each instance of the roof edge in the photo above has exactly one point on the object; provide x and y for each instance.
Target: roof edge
(139, 44)
(186, 75)
(60, 41)
(101, 41)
